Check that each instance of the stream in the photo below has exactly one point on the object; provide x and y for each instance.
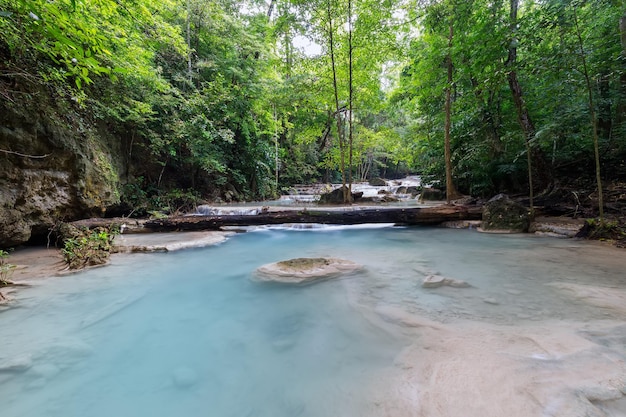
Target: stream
(540, 330)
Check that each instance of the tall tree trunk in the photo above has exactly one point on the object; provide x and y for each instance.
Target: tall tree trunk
(350, 99)
(534, 156)
(451, 192)
(605, 110)
(340, 132)
(620, 119)
(188, 24)
(592, 115)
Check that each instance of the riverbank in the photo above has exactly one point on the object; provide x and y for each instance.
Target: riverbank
(41, 262)
(33, 263)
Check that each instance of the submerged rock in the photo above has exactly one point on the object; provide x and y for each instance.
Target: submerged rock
(306, 270)
(436, 281)
(17, 364)
(491, 300)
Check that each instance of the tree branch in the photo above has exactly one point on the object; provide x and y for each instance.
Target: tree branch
(25, 155)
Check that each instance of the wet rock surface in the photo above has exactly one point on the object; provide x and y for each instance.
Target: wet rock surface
(306, 270)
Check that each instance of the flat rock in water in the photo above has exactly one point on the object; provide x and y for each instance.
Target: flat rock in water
(433, 281)
(305, 270)
(436, 281)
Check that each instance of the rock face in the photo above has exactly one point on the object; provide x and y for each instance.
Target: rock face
(56, 166)
(503, 214)
(306, 270)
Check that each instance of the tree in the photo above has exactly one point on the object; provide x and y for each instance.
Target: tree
(523, 116)
(451, 192)
(592, 113)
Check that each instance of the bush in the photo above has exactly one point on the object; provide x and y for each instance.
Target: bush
(6, 269)
(84, 248)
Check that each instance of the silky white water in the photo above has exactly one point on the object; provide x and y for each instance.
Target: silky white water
(193, 334)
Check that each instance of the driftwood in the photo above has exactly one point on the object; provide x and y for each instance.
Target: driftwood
(407, 216)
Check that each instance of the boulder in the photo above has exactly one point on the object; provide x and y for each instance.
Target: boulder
(336, 196)
(432, 194)
(413, 190)
(305, 270)
(503, 214)
(377, 182)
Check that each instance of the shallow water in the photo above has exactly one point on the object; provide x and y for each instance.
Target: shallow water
(192, 334)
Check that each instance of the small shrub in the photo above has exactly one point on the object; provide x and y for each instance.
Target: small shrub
(88, 247)
(604, 230)
(6, 269)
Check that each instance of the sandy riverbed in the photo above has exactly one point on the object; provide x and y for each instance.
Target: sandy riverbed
(549, 367)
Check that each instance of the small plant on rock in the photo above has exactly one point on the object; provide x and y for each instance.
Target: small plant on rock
(6, 269)
(88, 247)
(603, 229)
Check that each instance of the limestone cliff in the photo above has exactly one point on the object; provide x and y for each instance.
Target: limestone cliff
(55, 164)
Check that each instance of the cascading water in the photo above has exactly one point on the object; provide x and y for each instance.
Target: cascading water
(192, 333)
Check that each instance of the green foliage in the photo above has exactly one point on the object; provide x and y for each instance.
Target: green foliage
(6, 269)
(140, 199)
(607, 230)
(213, 100)
(88, 248)
(487, 142)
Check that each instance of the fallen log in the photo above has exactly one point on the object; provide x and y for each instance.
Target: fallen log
(126, 225)
(405, 216)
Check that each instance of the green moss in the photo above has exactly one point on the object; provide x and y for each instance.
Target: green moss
(304, 263)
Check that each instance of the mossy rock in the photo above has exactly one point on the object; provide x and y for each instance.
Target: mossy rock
(305, 270)
(502, 214)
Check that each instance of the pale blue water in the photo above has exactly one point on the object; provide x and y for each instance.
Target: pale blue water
(192, 334)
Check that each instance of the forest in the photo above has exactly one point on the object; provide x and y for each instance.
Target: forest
(239, 100)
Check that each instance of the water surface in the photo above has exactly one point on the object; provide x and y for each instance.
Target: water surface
(191, 333)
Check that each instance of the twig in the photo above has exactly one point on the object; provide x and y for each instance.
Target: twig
(25, 155)
(577, 204)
